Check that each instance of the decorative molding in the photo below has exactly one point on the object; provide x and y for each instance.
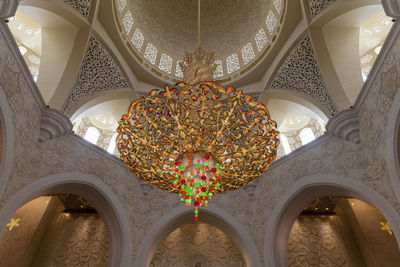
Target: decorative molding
(8, 8)
(99, 72)
(53, 124)
(345, 125)
(392, 8)
(300, 72)
(82, 6)
(317, 6)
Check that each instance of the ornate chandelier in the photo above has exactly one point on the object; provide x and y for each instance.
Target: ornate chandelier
(197, 139)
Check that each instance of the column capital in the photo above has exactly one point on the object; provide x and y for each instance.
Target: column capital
(345, 125)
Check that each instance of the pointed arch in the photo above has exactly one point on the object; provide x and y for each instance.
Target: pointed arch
(94, 191)
(301, 194)
(210, 215)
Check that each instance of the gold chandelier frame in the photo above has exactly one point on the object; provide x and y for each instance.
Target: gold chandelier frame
(202, 118)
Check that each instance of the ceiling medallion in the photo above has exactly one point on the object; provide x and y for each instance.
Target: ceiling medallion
(197, 139)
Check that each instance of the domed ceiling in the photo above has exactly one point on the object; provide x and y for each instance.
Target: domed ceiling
(239, 32)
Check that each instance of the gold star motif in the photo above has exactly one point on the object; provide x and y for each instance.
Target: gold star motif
(386, 227)
(13, 223)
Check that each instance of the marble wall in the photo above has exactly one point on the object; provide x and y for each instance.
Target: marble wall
(315, 241)
(353, 236)
(45, 236)
(74, 240)
(197, 245)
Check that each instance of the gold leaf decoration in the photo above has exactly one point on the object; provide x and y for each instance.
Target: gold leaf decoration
(386, 227)
(13, 223)
(201, 118)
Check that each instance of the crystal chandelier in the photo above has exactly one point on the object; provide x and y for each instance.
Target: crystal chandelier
(197, 139)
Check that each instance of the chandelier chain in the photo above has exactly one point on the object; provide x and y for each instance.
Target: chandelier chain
(198, 23)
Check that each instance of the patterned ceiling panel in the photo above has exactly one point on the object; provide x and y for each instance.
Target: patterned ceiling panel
(82, 6)
(99, 72)
(300, 72)
(317, 6)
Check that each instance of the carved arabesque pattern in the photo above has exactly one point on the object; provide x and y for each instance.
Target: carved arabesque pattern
(75, 240)
(197, 243)
(317, 6)
(98, 72)
(300, 72)
(82, 6)
(313, 241)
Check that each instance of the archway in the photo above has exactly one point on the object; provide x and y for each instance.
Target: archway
(299, 121)
(212, 216)
(104, 101)
(95, 192)
(338, 231)
(57, 230)
(303, 192)
(103, 113)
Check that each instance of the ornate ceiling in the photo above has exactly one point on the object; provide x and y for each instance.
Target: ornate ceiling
(260, 46)
(158, 32)
(98, 72)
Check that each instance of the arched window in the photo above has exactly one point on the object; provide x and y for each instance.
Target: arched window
(92, 135)
(306, 136)
(285, 144)
(111, 146)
